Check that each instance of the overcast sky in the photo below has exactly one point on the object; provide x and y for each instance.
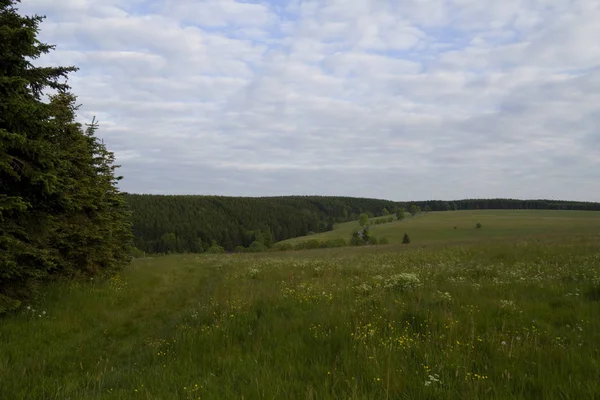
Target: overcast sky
(394, 99)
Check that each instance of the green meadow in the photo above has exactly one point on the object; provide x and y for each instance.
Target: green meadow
(456, 226)
(508, 311)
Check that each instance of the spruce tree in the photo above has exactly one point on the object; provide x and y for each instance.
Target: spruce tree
(406, 239)
(60, 210)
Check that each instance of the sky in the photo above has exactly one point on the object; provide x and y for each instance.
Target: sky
(393, 99)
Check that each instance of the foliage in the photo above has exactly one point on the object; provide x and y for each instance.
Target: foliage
(196, 221)
(215, 248)
(478, 225)
(363, 220)
(356, 239)
(60, 210)
(257, 247)
(400, 213)
(414, 209)
(406, 239)
(237, 221)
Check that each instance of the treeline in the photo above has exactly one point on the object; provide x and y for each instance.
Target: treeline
(164, 224)
(503, 204)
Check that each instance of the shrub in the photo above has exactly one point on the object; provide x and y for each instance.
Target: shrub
(384, 241)
(215, 249)
(478, 226)
(406, 239)
(257, 247)
(340, 242)
(356, 240)
(284, 247)
(134, 252)
(239, 249)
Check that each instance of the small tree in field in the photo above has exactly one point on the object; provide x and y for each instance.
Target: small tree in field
(414, 210)
(363, 219)
(406, 239)
(478, 226)
(400, 213)
(356, 240)
(385, 212)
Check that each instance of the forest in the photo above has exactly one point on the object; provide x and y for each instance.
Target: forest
(176, 224)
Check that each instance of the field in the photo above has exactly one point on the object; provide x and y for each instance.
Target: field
(509, 311)
(496, 224)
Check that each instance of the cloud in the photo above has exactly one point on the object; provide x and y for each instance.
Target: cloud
(393, 99)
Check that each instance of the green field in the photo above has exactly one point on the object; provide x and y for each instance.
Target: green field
(509, 311)
(439, 226)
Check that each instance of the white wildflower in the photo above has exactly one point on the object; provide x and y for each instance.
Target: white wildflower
(403, 281)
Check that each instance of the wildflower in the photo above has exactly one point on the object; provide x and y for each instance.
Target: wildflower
(403, 281)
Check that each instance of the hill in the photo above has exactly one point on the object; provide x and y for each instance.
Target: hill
(176, 223)
(460, 226)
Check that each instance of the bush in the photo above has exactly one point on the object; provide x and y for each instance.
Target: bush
(406, 239)
(239, 249)
(332, 243)
(257, 247)
(390, 219)
(384, 241)
(284, 247)
(310, 244)
(215, 249)
(478, 226)
(356, 240)
(134, 252)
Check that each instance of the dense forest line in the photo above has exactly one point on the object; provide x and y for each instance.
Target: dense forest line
(163, 224)
(193, 223)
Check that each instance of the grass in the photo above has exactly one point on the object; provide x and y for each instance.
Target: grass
(509, 318)
(440, 226)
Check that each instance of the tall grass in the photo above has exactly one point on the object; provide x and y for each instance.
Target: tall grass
(510, 320)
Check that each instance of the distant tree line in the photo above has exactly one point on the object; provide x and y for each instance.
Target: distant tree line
(164, 224)
(501, 204)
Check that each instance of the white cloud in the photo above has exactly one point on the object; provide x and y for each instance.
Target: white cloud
(396, 99)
